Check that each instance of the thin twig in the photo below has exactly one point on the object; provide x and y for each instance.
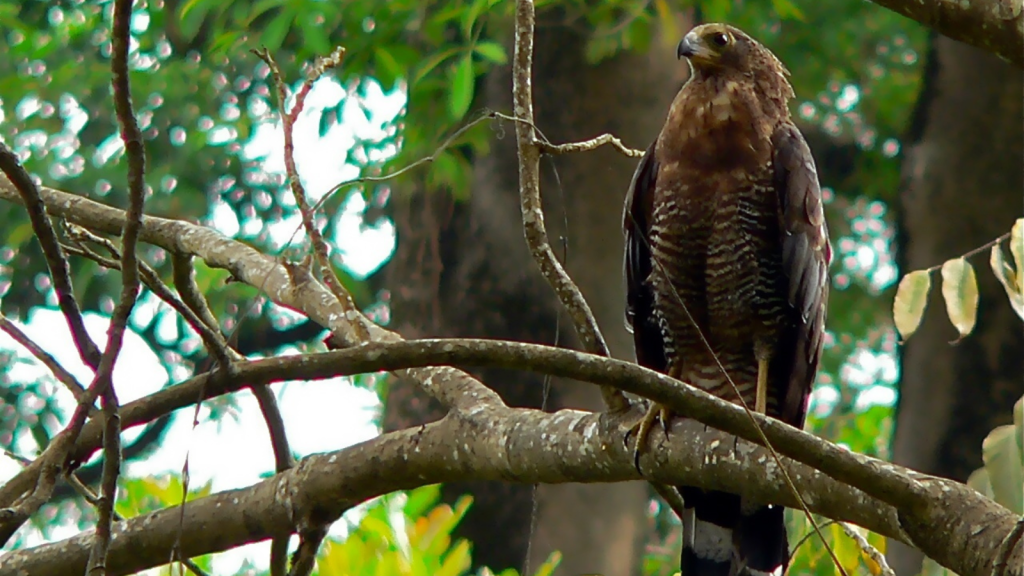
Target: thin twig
(409, 167)
(282, 461)
(530, 203)
(807, 536)
(184, 274)
(211, 337)
(359, 334)
(85, 492)
(17, 458)
(135, 154)
(62, 375)
(288, 118)
(304, 559)
(57, 263)
(975, 251)
(868, 549)
(548, 147)
(671, 496)
(1002, 564)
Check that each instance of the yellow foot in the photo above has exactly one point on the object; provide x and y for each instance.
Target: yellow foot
(761, 400)
(642, 429)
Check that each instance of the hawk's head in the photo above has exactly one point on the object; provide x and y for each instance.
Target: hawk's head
(719, 48)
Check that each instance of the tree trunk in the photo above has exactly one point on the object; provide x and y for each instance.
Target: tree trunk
(463, 269)
(963, 174)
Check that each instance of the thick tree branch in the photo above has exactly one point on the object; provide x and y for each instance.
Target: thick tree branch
(996, 26)
(522, 446)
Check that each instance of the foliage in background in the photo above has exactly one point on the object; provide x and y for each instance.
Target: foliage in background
(1002, 476)
(417, 543)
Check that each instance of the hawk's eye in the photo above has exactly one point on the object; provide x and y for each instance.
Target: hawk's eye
(720, 39)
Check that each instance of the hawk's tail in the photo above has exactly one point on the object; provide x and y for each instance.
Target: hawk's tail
(722, 537)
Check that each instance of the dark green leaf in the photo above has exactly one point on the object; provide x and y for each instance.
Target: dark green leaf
(491, 51)
(462, 88)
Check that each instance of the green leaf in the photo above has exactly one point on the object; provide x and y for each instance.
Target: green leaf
(667, 21)
(549, 565)
(491, 51)
(470, 15)
(259, 8)
(432, 62)
(275, 32)
(960, 290)
(1017, 248)
(911, 300)
(387, 68)
(462, 88)
(192, 15)
(1018, 422)
(980, 482)
(787, 9)
(1009, 278)
(1005, 468)
(315, 36)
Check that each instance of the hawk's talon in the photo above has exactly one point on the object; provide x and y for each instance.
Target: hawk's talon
(643, 430)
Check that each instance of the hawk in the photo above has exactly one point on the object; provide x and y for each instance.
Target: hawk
(726, 270)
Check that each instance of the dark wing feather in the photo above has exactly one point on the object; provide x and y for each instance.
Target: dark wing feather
(806, 255)
(640, 319)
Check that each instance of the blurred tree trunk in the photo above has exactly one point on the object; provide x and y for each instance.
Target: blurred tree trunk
(963, 187)
(462, 269)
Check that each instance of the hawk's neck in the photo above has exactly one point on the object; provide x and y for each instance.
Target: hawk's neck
(720, 120)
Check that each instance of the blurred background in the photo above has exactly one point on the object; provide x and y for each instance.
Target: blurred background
(918, 140)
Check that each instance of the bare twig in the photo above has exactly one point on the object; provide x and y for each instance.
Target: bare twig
(210, 336)
(282, 461)
(18, 458)
(304, 559)
(807, 536)
(408, 167)
(265, 396)
(184, 274)
(85, 492)
(320, 249)
(60, 272)
(588, 145)
(1002, 564)
(62, 375)
(865, 546)
(530, 203)
(135, 154)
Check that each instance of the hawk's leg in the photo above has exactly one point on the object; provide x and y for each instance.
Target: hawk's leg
(763, 355)
(761, 402)
(643, 427)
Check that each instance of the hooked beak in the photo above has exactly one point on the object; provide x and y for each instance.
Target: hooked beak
(691, 47)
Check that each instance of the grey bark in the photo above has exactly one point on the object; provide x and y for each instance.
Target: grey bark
(964, 173)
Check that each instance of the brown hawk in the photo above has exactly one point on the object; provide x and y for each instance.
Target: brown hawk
(726, 269)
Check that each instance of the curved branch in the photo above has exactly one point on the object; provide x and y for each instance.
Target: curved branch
(516, 445)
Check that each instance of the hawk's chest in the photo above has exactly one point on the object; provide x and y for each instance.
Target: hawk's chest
(715, 228)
